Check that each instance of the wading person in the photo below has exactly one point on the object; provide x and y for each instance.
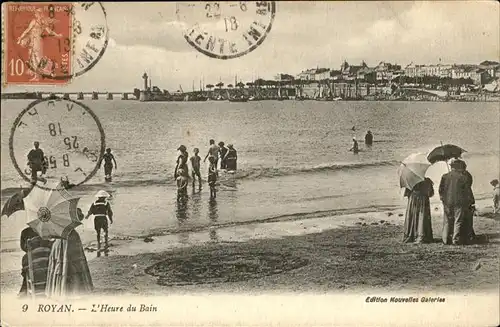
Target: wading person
(369, 138)
(212, 177)
(182, 160)
(231, 158)
(101, 209)
(222, 152)
(454, 193)
(496, 195)
(195, 165)
(355, 146)
(182, 183)
(36, 161)
(418, 226)
(213, 151)
(109, 159)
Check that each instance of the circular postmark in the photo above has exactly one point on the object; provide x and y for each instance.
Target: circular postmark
(226, 30)
(60, 40)
(44, 214)
(57, 139)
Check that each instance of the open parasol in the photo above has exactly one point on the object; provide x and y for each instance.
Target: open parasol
(412, 170)
(444, 153)
(52, 213)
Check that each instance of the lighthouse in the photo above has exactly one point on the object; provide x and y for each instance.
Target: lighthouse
(144, 92)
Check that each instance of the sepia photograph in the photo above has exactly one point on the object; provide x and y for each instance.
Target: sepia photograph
(250, 163)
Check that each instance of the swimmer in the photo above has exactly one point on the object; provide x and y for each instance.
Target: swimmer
(369, 138)
(182, 182)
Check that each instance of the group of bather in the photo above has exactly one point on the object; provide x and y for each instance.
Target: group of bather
(216, 153)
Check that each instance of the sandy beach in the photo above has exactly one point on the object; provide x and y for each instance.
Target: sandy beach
(353, 252)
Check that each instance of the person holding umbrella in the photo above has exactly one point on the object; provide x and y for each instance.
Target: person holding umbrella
(454, 191)
(418, 189)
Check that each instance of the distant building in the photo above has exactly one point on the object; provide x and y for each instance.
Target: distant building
(322, 74)
(307, 75)
(350, 72)
(335, 74)
(437, 70)
(283, 77)
(492, 67)
(385, 71)
(476, 74)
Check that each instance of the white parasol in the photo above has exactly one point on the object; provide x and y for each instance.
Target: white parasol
(52, 213)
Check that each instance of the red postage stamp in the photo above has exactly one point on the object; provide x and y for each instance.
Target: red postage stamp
(38, 42)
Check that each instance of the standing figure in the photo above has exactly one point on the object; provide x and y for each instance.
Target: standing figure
(40, 251)
(231, 158)
(195, 165)
(355, 146)
(109, 159)
(68, 272)
(369, 138)
(101, 209)
(36, 161)
(182, 160)
(32, 38)
(212, 177)
(454, 193)
(213, 151)
(222, 152)
(418, 226)
(469, 235)
(496, 195)
(182, 182)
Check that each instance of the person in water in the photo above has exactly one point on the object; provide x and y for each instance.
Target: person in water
(101, 209)
(195, 165)
(231, 158)
(212, 177)
(182, 161)
(222, 152)
(496, 195)
(182, 183)
(369, 138)
(355, 146)
(36, 161)
(213, 151)
(109, 159)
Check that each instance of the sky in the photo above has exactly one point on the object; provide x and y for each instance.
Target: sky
(148, 37)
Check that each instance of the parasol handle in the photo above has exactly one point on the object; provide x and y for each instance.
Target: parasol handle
(447, 166)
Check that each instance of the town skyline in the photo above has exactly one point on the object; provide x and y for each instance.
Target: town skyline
(151, 41)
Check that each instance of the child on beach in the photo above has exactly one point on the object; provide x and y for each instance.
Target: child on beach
(496, 195)
(212, 177)
(101, 209)
(109, 159)
(195, 164)
(182, 183)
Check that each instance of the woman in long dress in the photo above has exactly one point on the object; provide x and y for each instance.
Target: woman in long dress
(418, 226)
(68, 272)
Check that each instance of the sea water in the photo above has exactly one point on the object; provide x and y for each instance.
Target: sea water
(293, 159)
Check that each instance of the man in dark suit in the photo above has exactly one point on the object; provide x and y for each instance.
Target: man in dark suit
(454, 191)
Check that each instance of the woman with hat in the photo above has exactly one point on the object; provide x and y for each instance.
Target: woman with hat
(182, 161)
(101, 209)
(231, 158)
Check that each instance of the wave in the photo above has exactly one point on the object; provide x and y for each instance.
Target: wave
(254, 173)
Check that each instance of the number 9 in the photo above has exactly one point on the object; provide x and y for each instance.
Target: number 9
(25, 307)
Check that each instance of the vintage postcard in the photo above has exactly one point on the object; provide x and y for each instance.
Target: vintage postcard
(250, 163)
